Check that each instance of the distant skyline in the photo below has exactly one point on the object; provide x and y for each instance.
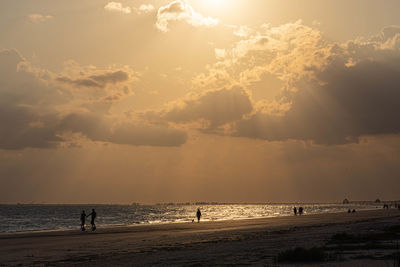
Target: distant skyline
(202, 100)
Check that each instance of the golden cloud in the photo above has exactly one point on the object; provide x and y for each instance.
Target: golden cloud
(180, 10)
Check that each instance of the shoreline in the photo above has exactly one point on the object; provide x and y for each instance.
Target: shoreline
(207, 242)
(110, 229)
(110, 226)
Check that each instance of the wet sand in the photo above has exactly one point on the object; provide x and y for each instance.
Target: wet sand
(249, 242)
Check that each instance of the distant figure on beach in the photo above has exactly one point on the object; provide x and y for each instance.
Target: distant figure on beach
(93, 214)
(83, 220)
(301, 211)
(353, 210)
(295, 211)
(198, 215)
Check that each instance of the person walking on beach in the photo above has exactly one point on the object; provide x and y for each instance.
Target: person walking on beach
(295, 211)
(198, 214)
(93, 214)
(83, 220)
(301, 211)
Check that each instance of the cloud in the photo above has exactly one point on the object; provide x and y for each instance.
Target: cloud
(215, 108)
(241, 31)
(180, 10)
(98, 80)
(144, 9)
(96, 89)
(282, 51)
(24, 127)
(219, 53)
(331, 94)
(24, 86)
(344, 92)
(37, 18)
(97, 128)
(37, 112)
(141, 134)
(117, 7)
(80, 82)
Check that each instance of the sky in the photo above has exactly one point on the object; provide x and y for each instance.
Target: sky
(199, 100)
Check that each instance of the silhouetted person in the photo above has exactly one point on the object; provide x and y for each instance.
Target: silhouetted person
(83, 220)
(353, 211)
(198, 215)
(349, 211)
(295, 211)
(93, 214)
(301, 211)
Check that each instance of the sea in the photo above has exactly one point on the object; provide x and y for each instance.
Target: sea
(33, 217)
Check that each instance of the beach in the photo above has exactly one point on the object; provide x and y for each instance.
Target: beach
(245, 242)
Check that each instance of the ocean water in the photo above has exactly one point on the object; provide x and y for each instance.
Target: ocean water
(26, 218)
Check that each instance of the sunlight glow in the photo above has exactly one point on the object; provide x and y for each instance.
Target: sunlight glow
(215, 3)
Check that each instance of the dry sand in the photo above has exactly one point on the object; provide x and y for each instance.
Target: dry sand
(244, 242)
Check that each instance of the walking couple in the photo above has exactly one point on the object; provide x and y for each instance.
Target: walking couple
(83, 219)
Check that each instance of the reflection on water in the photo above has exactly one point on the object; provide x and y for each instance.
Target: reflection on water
(16, 218)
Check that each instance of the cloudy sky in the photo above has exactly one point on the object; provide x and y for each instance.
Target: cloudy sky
(199, 100)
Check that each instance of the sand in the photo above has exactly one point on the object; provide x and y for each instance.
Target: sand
(245, 242)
